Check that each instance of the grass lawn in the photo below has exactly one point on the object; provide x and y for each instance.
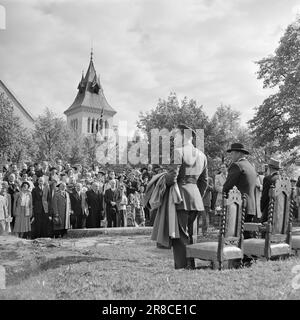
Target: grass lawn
(134, 268)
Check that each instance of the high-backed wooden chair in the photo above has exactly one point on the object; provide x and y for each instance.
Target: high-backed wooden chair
(230, 242)
(295, 237)
(278, 229)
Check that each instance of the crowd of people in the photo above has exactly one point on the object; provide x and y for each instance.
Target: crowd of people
(45, 200)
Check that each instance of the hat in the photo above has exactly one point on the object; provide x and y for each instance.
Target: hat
(238, 147)
(276, 164)
(52, 168)
(25, 182)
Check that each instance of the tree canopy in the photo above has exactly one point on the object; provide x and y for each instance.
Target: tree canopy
(15, 141)
(278, 117)
(220, 131)
(52, 136)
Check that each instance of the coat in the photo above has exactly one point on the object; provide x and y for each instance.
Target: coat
(5, 206)
(159, 196)
(5, 212)
(190, 173)
(264, 202)
(61, 211)
(208, 193)
(40, 200)
(219, 182)
(258, 193)
(77, 203)
(243, 175)
(22, 213)
(95, 208)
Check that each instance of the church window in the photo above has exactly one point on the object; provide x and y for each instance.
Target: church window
(88, 125)
(93, 125)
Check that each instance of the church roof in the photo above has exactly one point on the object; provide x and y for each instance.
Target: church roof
(90, 93)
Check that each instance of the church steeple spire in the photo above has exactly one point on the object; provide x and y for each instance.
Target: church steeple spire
(90, 92)
(92, 52)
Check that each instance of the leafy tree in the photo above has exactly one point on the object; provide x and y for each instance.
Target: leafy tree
(225, 129)
(169, 113)
(15, 141)
(77, 152)
(278, 118)
(7, 121)
(52, 137)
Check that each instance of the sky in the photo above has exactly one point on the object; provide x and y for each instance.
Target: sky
(143, 50)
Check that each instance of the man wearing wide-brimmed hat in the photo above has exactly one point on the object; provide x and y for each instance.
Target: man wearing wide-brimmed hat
(242, 174)
(274, 167)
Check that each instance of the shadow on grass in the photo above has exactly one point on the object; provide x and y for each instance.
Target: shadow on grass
(61, 261)
(32, 268)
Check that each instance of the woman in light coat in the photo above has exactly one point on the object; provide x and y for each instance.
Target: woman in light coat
(23, 211)
(5, 209)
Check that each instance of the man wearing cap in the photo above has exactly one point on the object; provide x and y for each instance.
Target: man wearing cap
(274, 167)
(190, 172)
(242, 174)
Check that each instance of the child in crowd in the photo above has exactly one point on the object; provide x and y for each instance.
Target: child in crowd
(131, 211)
(139, 210)
(122, 204)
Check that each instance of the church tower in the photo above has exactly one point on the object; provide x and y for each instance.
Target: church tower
(90, 111)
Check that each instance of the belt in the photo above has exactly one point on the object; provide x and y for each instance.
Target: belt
(188, 179)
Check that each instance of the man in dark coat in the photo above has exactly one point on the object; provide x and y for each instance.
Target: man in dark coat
(77, 207)
(242, 174)
(94, 199)
(110, 198)
(40, 208)
(269, 180)
(190, 172)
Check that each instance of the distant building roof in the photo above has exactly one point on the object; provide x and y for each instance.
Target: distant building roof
(90, 93)
(17, 103)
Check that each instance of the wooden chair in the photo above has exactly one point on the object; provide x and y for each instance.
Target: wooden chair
(229, 246)
(278, 229)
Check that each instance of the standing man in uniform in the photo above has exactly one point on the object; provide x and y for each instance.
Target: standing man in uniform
(190, 172)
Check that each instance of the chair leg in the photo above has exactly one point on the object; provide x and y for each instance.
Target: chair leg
(214, 265)
(221, 265)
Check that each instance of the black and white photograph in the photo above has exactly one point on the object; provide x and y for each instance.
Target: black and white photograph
(149, 153)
